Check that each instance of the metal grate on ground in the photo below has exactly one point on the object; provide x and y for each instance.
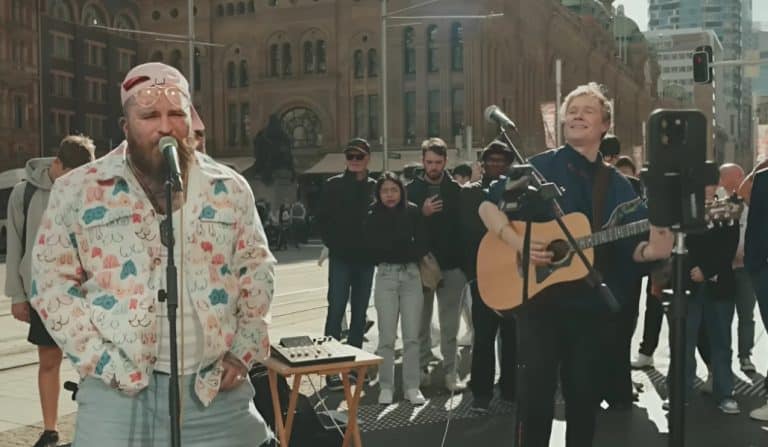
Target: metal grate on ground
(402, 414)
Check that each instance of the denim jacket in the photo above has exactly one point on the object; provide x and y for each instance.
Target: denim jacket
(97, 269)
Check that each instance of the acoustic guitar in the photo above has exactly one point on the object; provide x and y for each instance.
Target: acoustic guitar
(499, 270)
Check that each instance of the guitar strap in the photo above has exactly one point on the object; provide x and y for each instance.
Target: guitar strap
(599, 192)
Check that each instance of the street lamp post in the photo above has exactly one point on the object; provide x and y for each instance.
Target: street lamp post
(385, 16)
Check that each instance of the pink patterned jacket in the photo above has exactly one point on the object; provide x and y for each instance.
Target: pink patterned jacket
(98, 264)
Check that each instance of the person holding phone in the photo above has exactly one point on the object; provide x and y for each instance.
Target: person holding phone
(437, 195)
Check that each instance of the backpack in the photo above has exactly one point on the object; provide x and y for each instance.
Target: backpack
(29, 191)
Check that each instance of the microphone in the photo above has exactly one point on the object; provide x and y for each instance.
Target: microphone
(169, 147)
(493, 114)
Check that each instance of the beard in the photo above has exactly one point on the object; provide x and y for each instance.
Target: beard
(149, 160)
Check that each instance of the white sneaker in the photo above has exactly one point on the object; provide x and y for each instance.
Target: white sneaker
(746, 365)
(385, 396)
(452, 383)
(706, 387)
(760, 414)
(415, 397)
(729, 406)
(642, 361)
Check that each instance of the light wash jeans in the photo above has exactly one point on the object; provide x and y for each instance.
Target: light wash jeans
(398, 296)
(108, 417)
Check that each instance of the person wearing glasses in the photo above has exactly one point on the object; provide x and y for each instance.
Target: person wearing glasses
(99, 264)
(344, 205)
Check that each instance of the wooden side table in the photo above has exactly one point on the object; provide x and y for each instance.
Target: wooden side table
(360, 365)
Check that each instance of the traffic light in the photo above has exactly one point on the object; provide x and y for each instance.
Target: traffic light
(702, 71)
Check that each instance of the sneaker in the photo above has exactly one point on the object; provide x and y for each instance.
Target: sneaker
(729, 406)
(706, 387)
(415, 397)
(48, 438)
(642, 361)
(746, 365)
(426, 377)
(385, 396)
(481, 404)
(760, 414)
(452, 383)
(334, 383)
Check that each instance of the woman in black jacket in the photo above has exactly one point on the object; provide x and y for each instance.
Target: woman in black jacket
(396, 237)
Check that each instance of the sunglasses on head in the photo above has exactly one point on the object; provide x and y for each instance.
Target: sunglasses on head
(355, 156)
(148, 96)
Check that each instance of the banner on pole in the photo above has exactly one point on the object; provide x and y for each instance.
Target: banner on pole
(548, 111)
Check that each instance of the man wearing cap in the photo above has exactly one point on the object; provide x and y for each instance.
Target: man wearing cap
(496, 160)
(99, 264)
(343, 208)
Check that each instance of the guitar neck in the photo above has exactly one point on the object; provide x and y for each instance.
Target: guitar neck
(614, 234)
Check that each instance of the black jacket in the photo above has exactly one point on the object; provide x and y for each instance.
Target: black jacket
(395, 236)
(444, 235)
(343, 208)
(713, 252)
(472, 196)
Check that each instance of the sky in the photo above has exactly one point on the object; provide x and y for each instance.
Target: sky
(638, 11)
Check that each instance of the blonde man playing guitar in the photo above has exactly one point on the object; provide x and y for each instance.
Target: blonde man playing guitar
(560, 330)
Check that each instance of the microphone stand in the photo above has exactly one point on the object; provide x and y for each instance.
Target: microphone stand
(542, 190)
(171, 298)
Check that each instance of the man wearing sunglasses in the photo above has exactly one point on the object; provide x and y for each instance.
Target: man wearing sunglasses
(345, 202)
(97, 294)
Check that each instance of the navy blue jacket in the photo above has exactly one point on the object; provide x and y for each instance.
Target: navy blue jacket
(575, 174)
(756, 237)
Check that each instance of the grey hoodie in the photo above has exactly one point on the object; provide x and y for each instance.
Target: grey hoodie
(18, 268)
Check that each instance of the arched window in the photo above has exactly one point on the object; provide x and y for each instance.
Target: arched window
(59, 9)
(231, 76)
(240, 8)
(92, 16)
(243, 73)
(409, 51)
(432, 48)
(309, 57)
(359, 66)
(457, 47)
(373, 63)
(230, 9)
(320, 48)
(251, 6)
(302, 126)
(286, 59)
(157, 56)
(274, 60)
(122, 21)
(176, 59)
(220, 10)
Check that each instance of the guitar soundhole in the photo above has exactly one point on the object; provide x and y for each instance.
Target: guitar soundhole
(560, 249)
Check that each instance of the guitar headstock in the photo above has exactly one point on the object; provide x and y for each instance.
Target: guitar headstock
(723, 212)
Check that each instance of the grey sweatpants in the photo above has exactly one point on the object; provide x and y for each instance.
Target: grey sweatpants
(449, 297)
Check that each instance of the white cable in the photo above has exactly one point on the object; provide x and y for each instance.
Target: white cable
(455, 365)
(321, 401)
